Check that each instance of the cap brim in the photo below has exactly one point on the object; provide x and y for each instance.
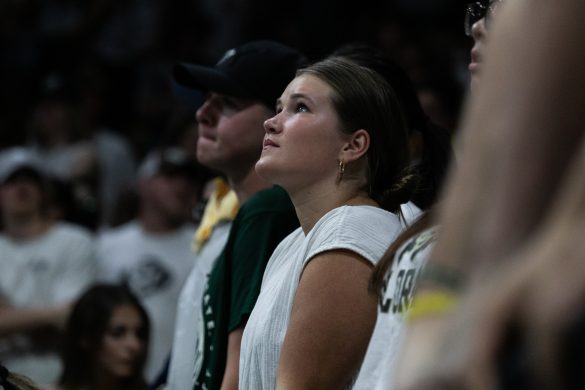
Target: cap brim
(205, 79)
(29, 169)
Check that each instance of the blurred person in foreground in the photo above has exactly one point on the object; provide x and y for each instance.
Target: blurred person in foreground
(505, 296)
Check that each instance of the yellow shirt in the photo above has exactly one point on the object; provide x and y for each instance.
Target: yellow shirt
(222, 206)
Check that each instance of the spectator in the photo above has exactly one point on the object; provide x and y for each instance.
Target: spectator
(68, 153)
(339, 146)
(210, 238)
(243, 88)
(511, 224)
(152, 252)
(45, 265)
(106, 341)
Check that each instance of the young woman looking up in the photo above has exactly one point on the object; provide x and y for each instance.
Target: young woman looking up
(338, 145)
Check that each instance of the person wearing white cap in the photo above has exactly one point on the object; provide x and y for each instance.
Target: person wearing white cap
(45, 265)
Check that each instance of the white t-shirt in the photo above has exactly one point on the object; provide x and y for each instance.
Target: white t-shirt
(377, 370)
(47, 271)
(182, 364)
(155, 266)
(410, 212)
(365, 230)
(117, 168)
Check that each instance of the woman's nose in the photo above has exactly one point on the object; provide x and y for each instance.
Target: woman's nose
(478, 30)
(205, 114)
(134, 343)
(270, 124)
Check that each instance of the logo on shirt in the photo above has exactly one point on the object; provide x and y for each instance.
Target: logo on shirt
(399, 283)
(148, 277)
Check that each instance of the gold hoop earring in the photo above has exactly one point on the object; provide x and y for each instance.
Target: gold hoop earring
(340, 170)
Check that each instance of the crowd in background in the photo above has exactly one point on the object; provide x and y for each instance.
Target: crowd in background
(118, 54)
(102, 180)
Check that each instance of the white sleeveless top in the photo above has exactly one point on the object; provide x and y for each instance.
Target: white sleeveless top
(365, 230)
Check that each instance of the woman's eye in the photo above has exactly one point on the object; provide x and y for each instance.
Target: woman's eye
(117, 331)
(301, 108)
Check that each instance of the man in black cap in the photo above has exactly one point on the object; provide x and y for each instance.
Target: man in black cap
(242, 91)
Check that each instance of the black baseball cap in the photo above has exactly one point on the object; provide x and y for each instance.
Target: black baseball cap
(256, 70)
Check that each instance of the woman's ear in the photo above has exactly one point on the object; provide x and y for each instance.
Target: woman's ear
(356, 146)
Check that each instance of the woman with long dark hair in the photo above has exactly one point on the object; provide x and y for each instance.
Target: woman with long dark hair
(106, 341)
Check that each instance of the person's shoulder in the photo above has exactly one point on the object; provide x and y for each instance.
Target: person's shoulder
(70, 231)
(367, 228)
(418, 246)
(127, 228)
(359, 217)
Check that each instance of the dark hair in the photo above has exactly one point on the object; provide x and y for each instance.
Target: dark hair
(363, 100)
(85, 330)
(437, 150)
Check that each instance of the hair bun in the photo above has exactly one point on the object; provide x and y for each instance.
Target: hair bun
(400, 192)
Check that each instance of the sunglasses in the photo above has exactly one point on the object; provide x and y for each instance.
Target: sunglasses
(479, 10)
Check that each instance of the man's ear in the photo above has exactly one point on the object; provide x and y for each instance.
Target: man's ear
(356, 146)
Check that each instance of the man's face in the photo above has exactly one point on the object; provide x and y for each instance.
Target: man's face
(21, 194)
(231, 131)
(173, 195)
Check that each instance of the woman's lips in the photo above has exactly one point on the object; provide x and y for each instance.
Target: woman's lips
(269, 143)
(475, 61)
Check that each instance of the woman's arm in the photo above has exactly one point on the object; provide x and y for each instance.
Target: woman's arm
(331, 323)
(232, 366)
(21, 320)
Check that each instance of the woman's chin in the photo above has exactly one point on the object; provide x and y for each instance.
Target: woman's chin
(264, 169)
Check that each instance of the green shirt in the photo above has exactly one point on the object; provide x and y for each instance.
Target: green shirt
(234, 283)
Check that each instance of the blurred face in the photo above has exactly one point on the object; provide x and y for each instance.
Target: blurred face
(21, 195)
(172, 195)
(303, 141)
(479, 33)
(123, 344)
(230, 133)
(52, 117)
